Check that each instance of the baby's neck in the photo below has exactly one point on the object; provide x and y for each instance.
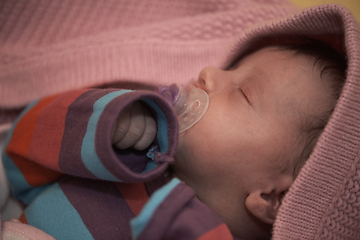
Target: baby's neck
(169, 174)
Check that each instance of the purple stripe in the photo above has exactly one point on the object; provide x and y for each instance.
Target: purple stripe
(132, 163)
(195, 220)
(135, 160)
(77, 117)
(155, 184)
(100, 205)
(181, 216)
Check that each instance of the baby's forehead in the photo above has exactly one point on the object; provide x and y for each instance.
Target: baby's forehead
(287, 77)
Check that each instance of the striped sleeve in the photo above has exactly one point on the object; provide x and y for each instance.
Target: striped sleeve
(69, 134)
(173, 213)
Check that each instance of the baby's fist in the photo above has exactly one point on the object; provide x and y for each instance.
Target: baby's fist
(135, 127)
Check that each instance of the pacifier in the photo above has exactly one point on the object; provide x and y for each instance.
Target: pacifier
(190, 103)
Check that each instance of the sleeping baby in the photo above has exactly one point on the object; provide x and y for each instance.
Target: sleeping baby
(111, 164)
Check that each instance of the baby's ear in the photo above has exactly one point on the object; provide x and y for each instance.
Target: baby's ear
(264, 203)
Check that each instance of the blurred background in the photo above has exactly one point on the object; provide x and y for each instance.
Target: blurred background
(352, 5)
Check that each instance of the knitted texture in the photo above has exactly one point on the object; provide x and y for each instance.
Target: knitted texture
(342, 218)
(52, 46)
(324, 201)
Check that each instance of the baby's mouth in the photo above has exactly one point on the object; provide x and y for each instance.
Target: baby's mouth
(190, 103)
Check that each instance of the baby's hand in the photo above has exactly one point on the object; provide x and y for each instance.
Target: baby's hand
(135, 127)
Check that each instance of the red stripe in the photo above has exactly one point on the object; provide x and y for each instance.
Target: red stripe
(49, 129)
(220, 232)
(23, 218)
(135, 195)
(18, 147)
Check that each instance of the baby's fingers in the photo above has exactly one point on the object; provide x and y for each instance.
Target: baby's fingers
(149, 134)
(135, 129)
(121, 126)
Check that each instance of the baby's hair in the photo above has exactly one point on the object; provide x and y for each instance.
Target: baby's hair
(333, 67)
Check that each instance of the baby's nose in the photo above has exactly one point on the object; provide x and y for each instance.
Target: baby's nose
(209, 78)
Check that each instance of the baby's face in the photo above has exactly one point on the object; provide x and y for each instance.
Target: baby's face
(250, 129)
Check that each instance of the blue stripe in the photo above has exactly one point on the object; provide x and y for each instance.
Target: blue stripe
(88, 150)
(53, 213)
(19, 186)
(150, 166)
(139, 223)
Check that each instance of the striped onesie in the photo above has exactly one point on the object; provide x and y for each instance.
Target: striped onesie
(61, 165)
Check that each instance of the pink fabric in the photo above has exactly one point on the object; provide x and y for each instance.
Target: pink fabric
(52, 46)
(14, 230)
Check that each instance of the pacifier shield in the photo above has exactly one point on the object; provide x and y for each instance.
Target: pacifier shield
(194, 109)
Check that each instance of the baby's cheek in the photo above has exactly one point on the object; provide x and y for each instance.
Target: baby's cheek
(191, 159)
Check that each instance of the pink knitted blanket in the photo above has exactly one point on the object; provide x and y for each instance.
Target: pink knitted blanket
(52, 46)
